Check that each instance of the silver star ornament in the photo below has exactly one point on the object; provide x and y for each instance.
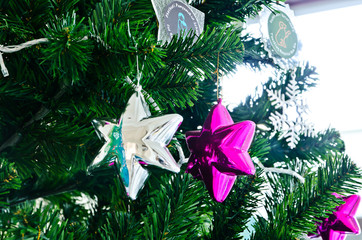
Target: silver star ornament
(135, 141)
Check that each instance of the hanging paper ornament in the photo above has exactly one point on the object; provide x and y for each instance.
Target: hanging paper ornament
(219, 151)
(341, 222)
(137, 140)
(290, 122)
(175, 17)
(279, 35)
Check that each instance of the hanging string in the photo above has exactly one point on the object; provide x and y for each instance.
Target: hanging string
(217, 76)
(138, 73)
(138, 86)
(138, 69)
(148, 96)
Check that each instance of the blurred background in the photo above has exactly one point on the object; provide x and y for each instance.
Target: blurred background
(330, 32)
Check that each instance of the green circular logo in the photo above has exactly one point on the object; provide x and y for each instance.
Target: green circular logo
(282, 35)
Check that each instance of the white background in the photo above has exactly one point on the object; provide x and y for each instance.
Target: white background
(332, 41)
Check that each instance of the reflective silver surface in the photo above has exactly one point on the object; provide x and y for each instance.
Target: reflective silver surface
(135, 141)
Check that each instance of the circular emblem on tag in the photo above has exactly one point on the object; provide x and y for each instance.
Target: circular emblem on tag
(283, 37)
(178, 18)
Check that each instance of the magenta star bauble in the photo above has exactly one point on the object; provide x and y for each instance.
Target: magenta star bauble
(341, 222)
(219, 152)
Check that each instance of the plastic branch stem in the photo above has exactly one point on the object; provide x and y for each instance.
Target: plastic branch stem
(15, 138)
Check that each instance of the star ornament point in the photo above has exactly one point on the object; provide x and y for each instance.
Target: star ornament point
(219, 152)
(135, 141)
(341, 222)
(112, 148)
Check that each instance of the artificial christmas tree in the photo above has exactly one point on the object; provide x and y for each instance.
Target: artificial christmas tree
(68, 62)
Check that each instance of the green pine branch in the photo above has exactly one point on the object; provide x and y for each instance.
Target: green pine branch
(37, 221)
(180, 87)
(69, 50)
(9, 181)
(255, 55)
(201, 57)
(309, 148)
(169, 207)
(258, 107)
(223, 12)
(298, 210)
(175, 208)
(230, 218)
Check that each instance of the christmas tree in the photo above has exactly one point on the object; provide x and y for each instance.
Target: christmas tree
(70, 67)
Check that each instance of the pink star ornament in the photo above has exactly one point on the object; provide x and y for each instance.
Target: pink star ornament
(219, 152)
(341, 222)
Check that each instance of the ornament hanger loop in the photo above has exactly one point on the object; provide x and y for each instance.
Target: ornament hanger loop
(138, 88)
(138, 70)
(139, 73)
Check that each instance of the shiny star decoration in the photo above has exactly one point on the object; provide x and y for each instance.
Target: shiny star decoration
(219, 151)
(135, 141)
(341, 222)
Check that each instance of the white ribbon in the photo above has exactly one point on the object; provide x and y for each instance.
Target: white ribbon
(279, 170)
